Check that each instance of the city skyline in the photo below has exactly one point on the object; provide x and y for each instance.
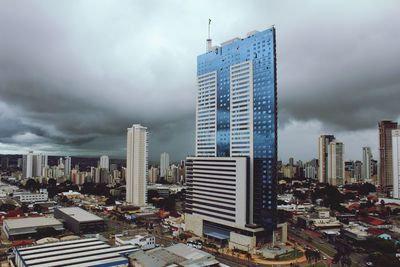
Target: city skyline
(85, 113)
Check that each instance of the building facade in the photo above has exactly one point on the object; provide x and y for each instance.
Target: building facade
(366, 164)
(335, 163)
(323, 144)
(136, 165)
(385, 154)
(396, 162)
(105, 162)
(164, 164)
(236, 117)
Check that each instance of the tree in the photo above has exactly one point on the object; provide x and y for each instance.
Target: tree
(32, 185)
(110, 201)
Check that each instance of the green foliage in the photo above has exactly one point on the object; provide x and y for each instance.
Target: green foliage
(375, 244)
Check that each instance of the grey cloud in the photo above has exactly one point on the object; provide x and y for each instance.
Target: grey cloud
(77, 74)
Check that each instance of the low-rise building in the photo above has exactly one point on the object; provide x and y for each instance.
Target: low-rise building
(28, 197)
(144, 242)
(176, 255)
(31, 227)
(80, 252)
(79, 221)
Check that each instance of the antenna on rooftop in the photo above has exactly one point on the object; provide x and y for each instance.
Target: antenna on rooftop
(209, 38)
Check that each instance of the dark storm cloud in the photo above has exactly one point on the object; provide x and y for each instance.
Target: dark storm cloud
(75, 75)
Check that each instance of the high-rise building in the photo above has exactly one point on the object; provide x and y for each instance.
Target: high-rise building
(136, 165)
(27, 165)
(335, 163)
(385, 154)
(164, 164)
(67, 166)
(153, 175)
(366, 163)
(396, 162)
(104, 162)
(236, 120)
(291, 162)
(323, 143)
(41, 163)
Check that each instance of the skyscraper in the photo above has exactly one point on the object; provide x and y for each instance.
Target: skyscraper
(27, 165)
(236, 128)
(104, 162)
(67, 166)
(385, 154)
(396, 162)
(41, 163)
(164, 164)
(366, 163)
(136, 165)
(323, 143)
(335, 163)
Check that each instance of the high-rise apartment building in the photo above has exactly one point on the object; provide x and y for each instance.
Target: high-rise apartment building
(236, 120)
(136, 165)
(67, 166)
(323, 143)
(335, 163)
(104, 162)
(396, 162)
(164, 164)
(385, 154)
(27, 165)
(366, 163)
(41, 162)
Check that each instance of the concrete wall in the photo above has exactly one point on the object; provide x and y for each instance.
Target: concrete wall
(194, 224)
(242, 242)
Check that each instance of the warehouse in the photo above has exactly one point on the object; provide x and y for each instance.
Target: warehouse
(81, 252)
(79, 221)
(32, 227)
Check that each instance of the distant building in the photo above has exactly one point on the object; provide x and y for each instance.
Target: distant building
(336, 163)
(153, 175)
(28, 197)
(385, 154)
(323, 144)
(27, 165)
(41, 164)
(104, 162)
(79, 220)
(396, 162)
(136, 165)
(366, 166)
(164, 164)
(67, 166)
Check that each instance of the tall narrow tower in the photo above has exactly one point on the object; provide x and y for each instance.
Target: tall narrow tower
(385, 154)
(136, 165)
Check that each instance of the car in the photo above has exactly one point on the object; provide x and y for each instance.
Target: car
(368, 263)
(324, 257)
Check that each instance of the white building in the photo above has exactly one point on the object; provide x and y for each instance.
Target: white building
(144, 242)
(164, 164)
(323, 167)
(40, 164)
(104, 162)
(366, 166)
(67, 166)
(136, 165)
(396, 162)
(336, 163)
(153, 175)
(28, 197)
(27, 165)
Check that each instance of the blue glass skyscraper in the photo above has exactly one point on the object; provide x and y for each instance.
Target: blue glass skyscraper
(237, 114)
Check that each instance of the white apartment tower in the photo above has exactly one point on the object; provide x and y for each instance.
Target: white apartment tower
(164, 164)
(67, 166)
(323, 143)
(27, 165)
(136, 165)
(335, 163)
(366, 166)
(104, 162)
(396, 162)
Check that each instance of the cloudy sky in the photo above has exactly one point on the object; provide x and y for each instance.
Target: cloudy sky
(75, 74)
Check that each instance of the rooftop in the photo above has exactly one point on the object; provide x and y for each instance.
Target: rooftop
(80, 215)
(31, 222)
